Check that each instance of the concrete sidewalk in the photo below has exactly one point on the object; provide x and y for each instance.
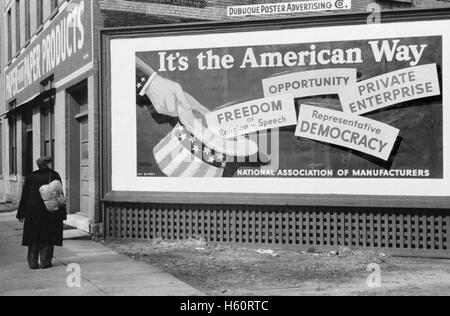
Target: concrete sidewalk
(103, 271)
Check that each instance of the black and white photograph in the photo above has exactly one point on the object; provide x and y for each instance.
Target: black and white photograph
(227, 156)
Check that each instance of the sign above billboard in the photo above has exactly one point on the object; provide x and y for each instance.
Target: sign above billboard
(289, 7)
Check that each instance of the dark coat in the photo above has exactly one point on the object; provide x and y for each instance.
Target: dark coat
(40, 225)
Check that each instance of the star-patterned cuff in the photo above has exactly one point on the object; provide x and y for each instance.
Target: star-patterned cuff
(199, 149)
(140, 82)
(148, 83)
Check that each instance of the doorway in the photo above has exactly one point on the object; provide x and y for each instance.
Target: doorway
(79, 167)
(84, 163)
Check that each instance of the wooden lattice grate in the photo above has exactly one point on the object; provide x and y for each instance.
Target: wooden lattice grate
(411, 230)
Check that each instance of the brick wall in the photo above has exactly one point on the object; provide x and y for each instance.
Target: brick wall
(129, 13)
(118, 18)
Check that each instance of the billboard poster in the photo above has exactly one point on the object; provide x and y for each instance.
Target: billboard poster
(301, 106)
(386, 92)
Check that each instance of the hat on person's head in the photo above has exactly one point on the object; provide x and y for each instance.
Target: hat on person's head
(43, 161)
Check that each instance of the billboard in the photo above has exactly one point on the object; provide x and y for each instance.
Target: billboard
(332, 110)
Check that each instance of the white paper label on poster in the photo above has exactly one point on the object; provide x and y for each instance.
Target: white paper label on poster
(347, 130)
(249, 117)
(310, 83)
(390, 89)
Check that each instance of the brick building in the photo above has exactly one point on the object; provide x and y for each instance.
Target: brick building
(49, 79)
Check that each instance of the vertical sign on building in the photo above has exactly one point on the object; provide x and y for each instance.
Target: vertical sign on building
(63, 48)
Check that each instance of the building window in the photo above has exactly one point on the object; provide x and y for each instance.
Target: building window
(13, 145)
(9, 18)
(48, 132)
(27, 21)
(39, 12)
(18, 46)
(48, 122)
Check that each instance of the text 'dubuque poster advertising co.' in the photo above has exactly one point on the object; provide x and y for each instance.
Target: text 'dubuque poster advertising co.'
(349, 109)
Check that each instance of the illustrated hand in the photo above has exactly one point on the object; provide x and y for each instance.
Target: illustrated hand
(167, 96)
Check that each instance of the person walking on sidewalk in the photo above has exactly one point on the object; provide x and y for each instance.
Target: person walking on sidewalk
(43, 230)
